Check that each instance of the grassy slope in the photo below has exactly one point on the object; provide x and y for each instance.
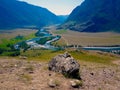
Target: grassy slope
(82, 56)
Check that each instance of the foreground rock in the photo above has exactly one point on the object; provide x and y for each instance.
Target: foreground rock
(53, 83)
(76, 83)
(66, 65)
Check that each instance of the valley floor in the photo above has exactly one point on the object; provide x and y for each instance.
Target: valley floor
(89, 39)
(34, 75)
(98, 70)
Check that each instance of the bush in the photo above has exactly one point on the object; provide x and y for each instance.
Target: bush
(11, 53)
(44, 40)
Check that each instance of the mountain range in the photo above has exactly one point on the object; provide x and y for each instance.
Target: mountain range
(95, 16)
(14, 13)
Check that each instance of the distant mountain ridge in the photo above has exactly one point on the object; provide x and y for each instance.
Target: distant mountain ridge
(95, 16)
(14, 13)
(62, 18)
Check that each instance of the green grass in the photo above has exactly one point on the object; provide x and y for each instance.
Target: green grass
(47, 55)
(6, 46)
(41, 55)
(92, 57)
(15, 40)
(44, 40)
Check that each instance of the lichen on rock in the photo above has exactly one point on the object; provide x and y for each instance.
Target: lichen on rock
(65, 64)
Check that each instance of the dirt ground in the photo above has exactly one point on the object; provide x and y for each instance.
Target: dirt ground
(34, 75)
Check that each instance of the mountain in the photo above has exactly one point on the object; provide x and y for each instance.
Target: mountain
(62, 18)
(14, 13)
(95, 16)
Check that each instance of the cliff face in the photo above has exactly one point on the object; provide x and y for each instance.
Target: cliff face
(95, 16)
(14, 13)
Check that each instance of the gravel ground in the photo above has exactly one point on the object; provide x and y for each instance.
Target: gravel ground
(34, 75)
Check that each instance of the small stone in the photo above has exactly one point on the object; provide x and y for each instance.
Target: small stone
(76, 83)
(15, 65)
(51, 83)
(31, 72)
(92, 74)
(49, 74)
(23, 57)
(1, 81)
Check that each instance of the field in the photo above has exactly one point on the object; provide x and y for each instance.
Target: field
(8, 38)
(9, 34)
(89, 39)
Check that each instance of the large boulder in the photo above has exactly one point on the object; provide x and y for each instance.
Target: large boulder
(65, 64)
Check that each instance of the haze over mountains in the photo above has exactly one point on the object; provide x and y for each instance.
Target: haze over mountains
(95, 16)
(14, 14)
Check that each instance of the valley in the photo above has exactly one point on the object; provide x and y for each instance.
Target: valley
(89, 39)
(43, 50)
(29, 70)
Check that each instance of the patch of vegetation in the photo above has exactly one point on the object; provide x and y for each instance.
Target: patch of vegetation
(59, 43)
(47, 55)
(29, 68)
(38, 34)
(24, 46)
(57, 83)
(7, 45)
(44, 40)
(8, 50)
(92, 57)
(41, 54)
(25, 77)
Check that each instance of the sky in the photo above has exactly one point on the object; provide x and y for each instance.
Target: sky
(58, 7)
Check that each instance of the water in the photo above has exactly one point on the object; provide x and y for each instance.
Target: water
(33, 42)
(115, 50)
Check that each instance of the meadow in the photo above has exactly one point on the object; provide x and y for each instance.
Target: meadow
(89, 39)
(80, 55)
(10, 37)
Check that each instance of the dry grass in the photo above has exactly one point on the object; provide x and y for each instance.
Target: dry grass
(95, 76)
(85, 39)
(8, 34)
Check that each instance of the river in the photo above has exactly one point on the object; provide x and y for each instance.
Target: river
(33, 43)
(115, 49)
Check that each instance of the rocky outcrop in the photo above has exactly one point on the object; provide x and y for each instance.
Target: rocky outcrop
(65, 64)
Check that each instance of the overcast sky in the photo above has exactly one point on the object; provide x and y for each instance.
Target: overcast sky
(59, 7)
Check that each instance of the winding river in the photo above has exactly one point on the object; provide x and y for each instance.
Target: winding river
(33, 43)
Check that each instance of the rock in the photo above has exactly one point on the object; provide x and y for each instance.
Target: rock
(65, 64)
(23, 57)
(52, 83)
(76, 83)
